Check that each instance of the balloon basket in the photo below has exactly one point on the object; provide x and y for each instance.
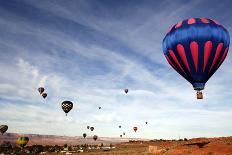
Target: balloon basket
(199, 95)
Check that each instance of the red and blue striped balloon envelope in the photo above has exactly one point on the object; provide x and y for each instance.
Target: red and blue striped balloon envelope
(196, 48)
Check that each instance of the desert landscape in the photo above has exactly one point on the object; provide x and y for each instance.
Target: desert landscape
(48, 144)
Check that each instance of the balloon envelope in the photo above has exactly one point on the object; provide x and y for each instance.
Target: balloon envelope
(22, 141)
(41, 90)
(44, 95)
(135, 128)
(95, 137)
(3, 129)
(67, 106)
(196, 48)
(91, 128)
(126, 91)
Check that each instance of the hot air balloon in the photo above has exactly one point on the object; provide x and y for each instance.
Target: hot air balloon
(22, 141)
(135, 128)
(41, 90)
(91, 128)
(66, 106)
(3, 129)
(88, 127)
(196, 48)
(84, 135)
(126, 91)
(95, 137)
(124, 133)
(146, 122)
(121, 136)
(99, 107)
(119, 126)
(44, 95)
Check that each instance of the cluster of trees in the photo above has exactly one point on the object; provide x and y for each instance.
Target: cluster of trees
(163, 140)
(8, 148)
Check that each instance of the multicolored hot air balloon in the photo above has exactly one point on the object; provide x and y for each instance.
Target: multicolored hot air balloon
(135, 128)
(95, 137)
(126, 91)
(22, 141)
(84, 135)
(91, 128)
(41, 90)
(44, 95)
(196, 48)
(67, 106)
(3, 129)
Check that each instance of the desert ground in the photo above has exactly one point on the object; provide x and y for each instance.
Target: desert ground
(198, 146)
(123, 146)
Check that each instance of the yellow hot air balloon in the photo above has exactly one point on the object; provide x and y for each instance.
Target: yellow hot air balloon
(22, 141)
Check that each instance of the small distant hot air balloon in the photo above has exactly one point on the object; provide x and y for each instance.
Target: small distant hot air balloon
(66, 106)
(99, 107)
(88, 127)
(3, 129)
(44, 95)
(146, 122)
(121, 136)
(84, 135)
(124, 133)
(41, 90)
(119, 126)
(126, 91)
(22, 141)
(135, 128)
(95, 137)
(196, 48)
(91, 128)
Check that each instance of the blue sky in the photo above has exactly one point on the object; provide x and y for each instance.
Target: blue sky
(88, 51)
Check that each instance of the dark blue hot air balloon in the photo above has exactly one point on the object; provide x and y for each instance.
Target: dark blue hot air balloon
(196, 48)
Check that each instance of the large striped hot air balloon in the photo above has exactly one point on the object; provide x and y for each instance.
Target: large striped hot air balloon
(196, 48)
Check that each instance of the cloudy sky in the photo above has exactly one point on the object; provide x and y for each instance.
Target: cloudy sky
(88, 51)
